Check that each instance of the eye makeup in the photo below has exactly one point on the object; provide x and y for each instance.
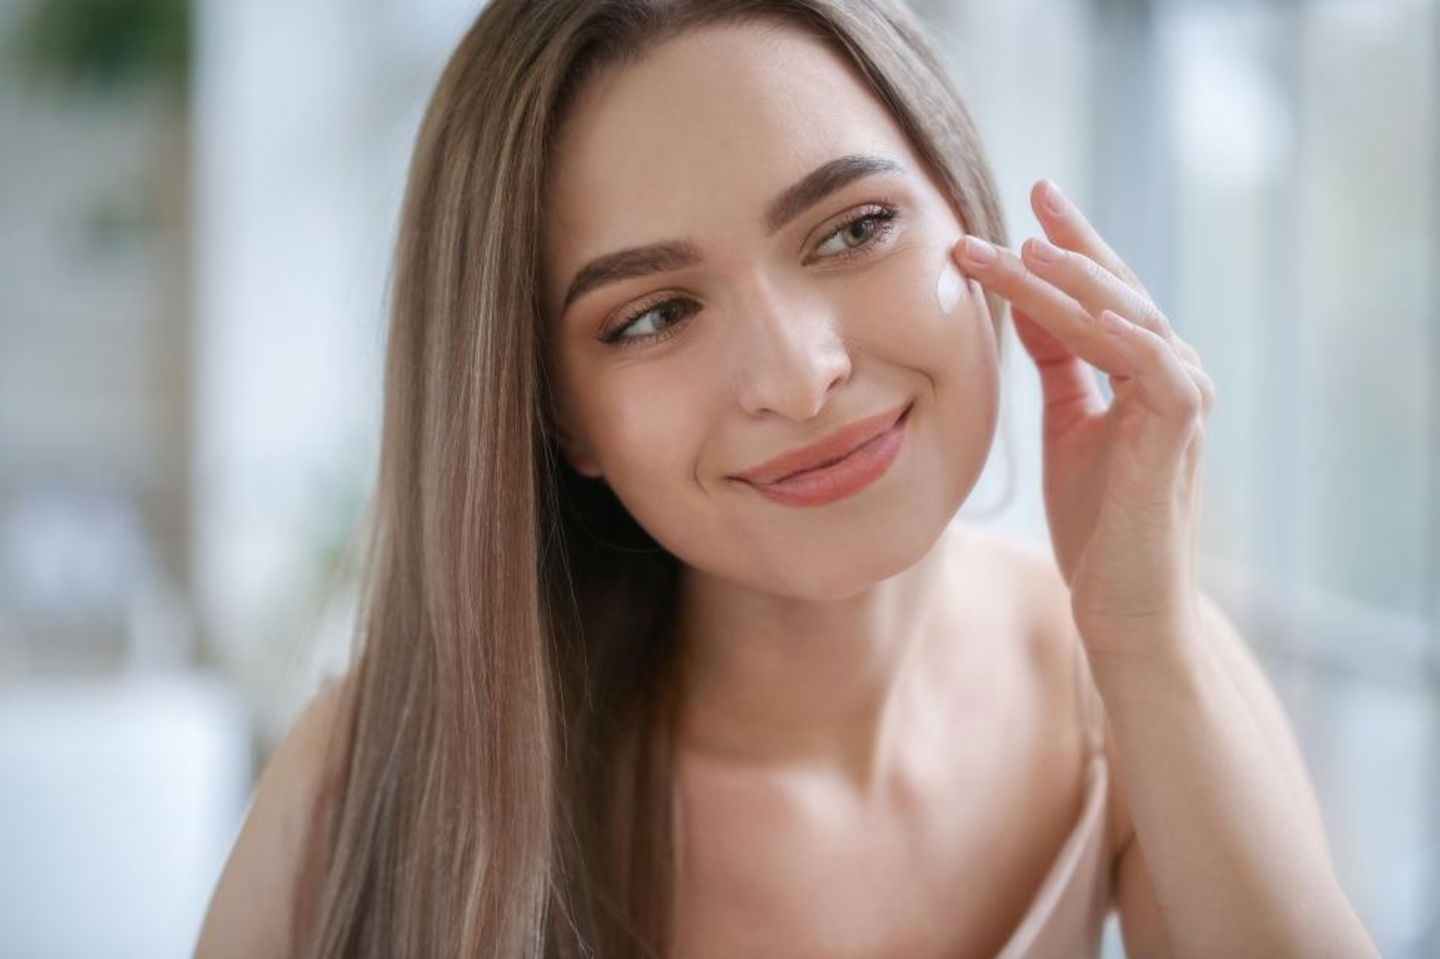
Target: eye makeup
(880, 218)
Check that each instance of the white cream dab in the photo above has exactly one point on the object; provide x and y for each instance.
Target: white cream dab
(947, 287)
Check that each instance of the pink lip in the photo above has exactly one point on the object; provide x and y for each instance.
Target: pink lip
(837, 445)
(856, 468)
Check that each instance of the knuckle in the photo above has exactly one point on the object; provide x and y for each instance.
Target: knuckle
(1193, 405)
(1195, 401)
(1150, 343)
(1129, 276)
(1158, 320)
(1207, 391)
(1187, 352)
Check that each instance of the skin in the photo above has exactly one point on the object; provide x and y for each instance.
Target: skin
(868, 720)
(879, 747)
(827, 663)
(799, 619)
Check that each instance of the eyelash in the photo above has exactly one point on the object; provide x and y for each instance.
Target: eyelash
(883, 214)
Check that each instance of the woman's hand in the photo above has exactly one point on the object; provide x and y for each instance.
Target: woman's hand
(1121, 481)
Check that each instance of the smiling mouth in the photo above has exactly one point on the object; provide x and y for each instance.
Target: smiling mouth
(847, 455)
(843, 456)
(833, 449)
(842, 477)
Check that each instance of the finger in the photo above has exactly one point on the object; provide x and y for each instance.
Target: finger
(1067, 227)
(1073, 234)
(999, 269)
(1068, 386)
(1093, 286)
(1187, 352)
(1204, 384)
(1166, 386)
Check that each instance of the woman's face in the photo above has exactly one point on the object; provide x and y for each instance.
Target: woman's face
(758, 332)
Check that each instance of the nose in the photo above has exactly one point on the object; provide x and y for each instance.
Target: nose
(790, 354)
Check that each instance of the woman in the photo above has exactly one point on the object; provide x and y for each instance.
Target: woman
(622, 689)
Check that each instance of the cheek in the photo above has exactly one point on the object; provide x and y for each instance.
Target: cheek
(931, 319)
(651, 444)
(640, 438)
(648, 436)
(925, 314)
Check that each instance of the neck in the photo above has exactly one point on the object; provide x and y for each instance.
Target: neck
(777, 680)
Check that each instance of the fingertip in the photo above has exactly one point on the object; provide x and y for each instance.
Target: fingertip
(958, 259)
(976, 253)
(1113, 323)
(1037, 195)
(1051, 199)
(958, 255)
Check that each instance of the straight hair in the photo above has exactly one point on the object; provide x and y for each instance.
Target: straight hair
(499, 779)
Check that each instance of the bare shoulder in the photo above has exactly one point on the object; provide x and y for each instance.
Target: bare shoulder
(251, 908)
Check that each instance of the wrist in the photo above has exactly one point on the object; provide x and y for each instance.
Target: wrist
(1165, 658)
(1141, 640)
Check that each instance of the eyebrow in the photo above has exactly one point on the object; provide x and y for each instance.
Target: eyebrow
(675, 254)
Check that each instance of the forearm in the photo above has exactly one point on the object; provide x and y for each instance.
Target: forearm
(1234, 866)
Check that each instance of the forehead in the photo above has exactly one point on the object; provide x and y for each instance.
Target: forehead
(699, 135)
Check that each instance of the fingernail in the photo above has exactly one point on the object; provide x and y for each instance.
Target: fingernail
(1043, 251)
(1113, 322)
(978, 252)
(1054, 199)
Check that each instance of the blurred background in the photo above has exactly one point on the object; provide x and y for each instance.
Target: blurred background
(197, 206)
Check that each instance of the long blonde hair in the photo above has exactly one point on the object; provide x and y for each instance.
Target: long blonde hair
(500, 781)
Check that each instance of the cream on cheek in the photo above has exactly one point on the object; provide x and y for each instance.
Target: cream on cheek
(948, 286)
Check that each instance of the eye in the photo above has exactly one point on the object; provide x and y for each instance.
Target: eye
(642, 317)
(877, 220)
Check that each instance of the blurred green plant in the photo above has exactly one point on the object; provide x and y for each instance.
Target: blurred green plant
(105, 46)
